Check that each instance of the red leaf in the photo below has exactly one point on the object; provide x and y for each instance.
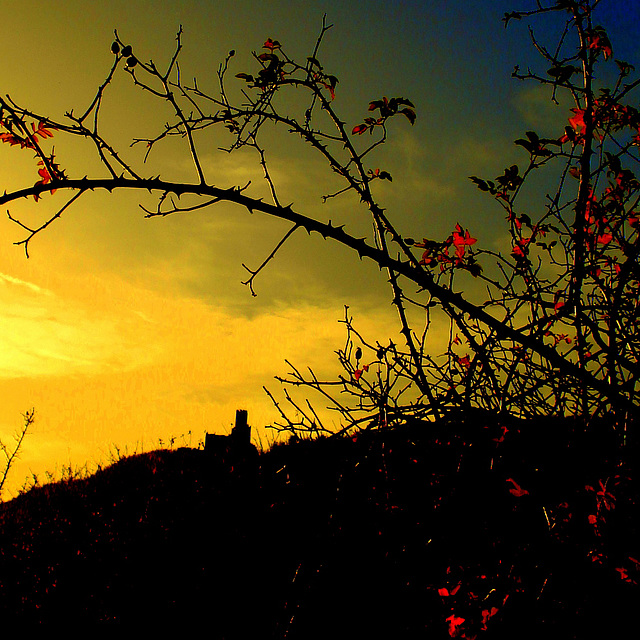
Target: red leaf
(605, 238)
(444, 592)
(465, 362)
(454, 622)
(462, 239)
(504, 432)
(623, 574)
(517, 490)
(577, 122)
(486, 615)
(271, 44)
(600, 42)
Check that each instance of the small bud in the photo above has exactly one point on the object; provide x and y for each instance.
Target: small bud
(115, 48)
(126, 51)
(232, 53)
(131, 62)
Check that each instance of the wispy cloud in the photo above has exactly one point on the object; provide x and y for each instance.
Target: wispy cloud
(538, 110)
(22, 283)
(43, 334)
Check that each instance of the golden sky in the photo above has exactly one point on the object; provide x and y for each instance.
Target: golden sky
(122, 331)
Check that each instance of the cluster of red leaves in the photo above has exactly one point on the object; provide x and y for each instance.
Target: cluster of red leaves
(458, 626)
(388, 108)
(273, 71)
(26, 141)
(357, 374)
(49, 170)
(45, 174)
(522, 243)
(606, 116)
(599, 42)
(605, 503)
(610, 229)
(438, 253)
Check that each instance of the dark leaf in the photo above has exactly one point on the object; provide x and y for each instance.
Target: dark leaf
(404, 102)
(510, 179)
(527, 144)
(474, 268)
(513, 15)
(482, 185)
(562, 73)
(625, 67)
(410, 113)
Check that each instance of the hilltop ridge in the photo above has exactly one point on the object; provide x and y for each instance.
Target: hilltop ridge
(383, 533)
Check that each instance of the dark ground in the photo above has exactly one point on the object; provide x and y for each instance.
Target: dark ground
(428, 531)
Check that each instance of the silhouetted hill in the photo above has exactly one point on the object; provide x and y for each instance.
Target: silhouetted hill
(473, 528)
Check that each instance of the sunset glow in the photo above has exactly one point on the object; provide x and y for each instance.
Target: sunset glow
(127, 332)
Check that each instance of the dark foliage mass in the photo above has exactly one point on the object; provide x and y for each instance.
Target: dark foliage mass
(489, 529)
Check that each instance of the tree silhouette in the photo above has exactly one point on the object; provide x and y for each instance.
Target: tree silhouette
(11, 453)
(555, 331)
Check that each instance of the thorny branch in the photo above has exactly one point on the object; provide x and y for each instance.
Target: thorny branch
(11, 453)
(557, 330)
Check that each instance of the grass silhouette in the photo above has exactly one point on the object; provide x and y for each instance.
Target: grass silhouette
(476, 528)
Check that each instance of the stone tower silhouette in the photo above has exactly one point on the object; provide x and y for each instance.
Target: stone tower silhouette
(238, 439)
